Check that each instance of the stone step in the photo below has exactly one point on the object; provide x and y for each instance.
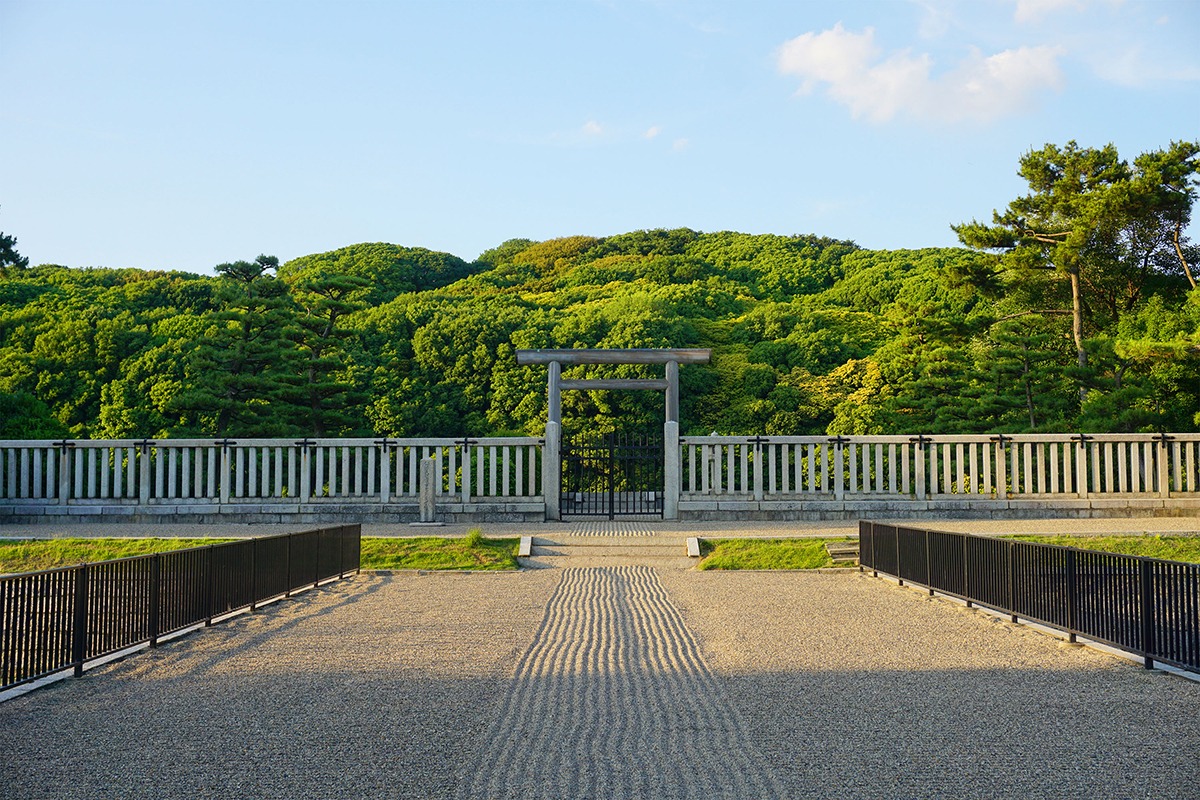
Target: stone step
(602, 551)
(842, 551)
(571, 550)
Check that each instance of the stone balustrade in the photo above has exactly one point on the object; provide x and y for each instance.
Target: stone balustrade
(277, 480)
(916, 475)
(501, 479)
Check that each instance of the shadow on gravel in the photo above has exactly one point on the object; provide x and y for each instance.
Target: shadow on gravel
(999, 733)
(246, 631)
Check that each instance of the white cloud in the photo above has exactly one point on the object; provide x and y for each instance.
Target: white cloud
(880, 86)
(679, 145)
(1035, 10)
(652, 131)
(936, 18)
(1131, 66)
(592, 128)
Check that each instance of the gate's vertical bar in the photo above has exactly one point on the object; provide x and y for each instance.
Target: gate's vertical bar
(612, 444)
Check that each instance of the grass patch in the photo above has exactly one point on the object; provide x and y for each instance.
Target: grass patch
(765, 554)
(29, 555)
(472, 551)
(430, 552)
(1172, 548)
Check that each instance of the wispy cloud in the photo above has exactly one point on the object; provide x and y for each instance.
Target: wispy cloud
(652, 132)
(1036, 10)
(880, 86)
(592, 128)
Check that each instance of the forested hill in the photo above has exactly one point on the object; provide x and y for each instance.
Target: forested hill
(810, 336)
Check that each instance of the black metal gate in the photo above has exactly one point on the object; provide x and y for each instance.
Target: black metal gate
(612, 475)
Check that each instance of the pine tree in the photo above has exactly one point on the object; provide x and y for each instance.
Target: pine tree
(244, 374)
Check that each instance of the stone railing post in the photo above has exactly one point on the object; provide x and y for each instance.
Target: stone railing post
(1163, 455)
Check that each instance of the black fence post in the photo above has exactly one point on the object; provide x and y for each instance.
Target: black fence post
(1147, 611)
(79, 631)
(341, 551)
(928, 565)
(966, 569)
(874, 560)
(155, 596)
(1012, 581)
(861, 527)
(1072, 596)
(210, 600)
(288, 588)
(899, 567)
(253, 575)
(317, 558)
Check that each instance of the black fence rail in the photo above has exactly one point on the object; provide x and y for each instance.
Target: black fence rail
(60, 619)
(1146, 606)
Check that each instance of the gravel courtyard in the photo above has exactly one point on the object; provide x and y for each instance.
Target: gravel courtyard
(609, 682)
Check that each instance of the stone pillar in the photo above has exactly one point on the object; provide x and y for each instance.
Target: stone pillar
(552, 470)
(672, 472)
(672, 468)
(427, 504)
(552, 452)
(554, 394)
(672, 391)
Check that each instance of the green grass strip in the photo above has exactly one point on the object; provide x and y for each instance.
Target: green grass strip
(432, 553)
(765, 554)
(30, 555)
(436, 553)
(1171, 548)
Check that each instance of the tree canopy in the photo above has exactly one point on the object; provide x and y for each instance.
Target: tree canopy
(1074, 309)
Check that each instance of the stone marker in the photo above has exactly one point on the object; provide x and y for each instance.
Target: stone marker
(427, 503)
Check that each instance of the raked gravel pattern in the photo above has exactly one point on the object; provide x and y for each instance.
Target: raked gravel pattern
(612, 700)
(607, 683)
(609, 528)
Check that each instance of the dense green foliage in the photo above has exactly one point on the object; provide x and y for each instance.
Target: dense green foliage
(1072, 311)
(809, 336)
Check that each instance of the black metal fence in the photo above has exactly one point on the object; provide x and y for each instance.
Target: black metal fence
(1146, 606)
(62, 618)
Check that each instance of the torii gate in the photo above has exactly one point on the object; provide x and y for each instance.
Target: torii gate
(671, 357)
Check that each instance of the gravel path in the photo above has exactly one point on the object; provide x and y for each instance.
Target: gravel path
(607, 683)
(614, 700)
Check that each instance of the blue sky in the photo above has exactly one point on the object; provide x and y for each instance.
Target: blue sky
(179, 135)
